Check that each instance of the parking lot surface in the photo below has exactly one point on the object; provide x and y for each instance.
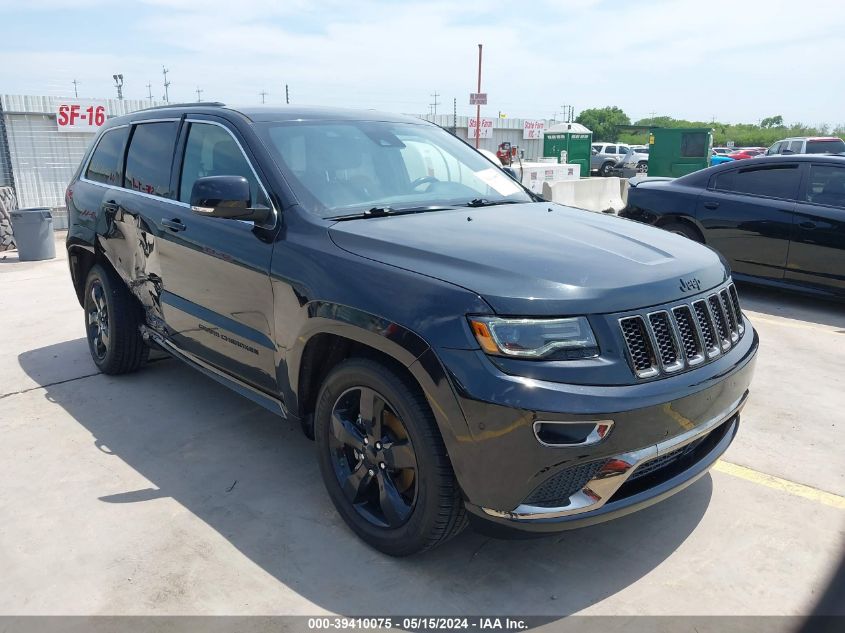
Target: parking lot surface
(163, 493)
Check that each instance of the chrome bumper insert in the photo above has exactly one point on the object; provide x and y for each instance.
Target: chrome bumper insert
(616, 472)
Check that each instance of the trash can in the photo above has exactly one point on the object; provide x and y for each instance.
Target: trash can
(33, 231)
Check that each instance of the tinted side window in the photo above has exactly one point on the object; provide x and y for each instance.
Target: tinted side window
(820, 147)
(149, 158)
(106, 161)
(776, 182)
(826, 185)
(610, 149)
(212, 151)
(796, 146)
(694, 144)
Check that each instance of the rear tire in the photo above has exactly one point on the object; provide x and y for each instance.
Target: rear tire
(679, 228)
(605, 169)
(642, 167)
(384, 463)
(113, 318)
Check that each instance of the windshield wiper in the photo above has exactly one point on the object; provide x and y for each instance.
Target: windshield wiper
(484, 202)
(380, 212)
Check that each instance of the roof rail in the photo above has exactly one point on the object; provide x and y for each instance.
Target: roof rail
(203, 104)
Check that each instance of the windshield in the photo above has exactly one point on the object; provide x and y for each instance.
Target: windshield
(820, 147)
(341, 168)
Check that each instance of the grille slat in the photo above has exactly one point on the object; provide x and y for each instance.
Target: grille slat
(689, 336)
(662, 330)
(639, 346)
(670, 340)
(719, 320)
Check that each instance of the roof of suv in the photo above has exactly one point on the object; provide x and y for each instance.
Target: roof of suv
(281, 113)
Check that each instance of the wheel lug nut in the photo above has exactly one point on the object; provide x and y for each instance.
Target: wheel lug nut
(382, 465)
(378, 446)
(371, 472)
(366, 441)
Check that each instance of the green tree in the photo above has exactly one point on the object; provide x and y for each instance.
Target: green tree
(604, 122)
(772, 121)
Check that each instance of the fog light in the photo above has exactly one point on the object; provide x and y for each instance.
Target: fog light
(576, 433)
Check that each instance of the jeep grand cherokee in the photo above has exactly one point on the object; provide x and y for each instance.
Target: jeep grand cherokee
(459, 348)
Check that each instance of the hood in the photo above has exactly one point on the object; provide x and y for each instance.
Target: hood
(539, 258)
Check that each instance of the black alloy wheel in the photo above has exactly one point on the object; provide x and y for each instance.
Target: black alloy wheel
(373, 457)
(97, 310)
(383, 460)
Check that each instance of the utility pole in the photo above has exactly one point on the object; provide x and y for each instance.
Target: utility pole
(436, 102)
(478, 105)
(651, 116)
(454, 115)
(150, 92)
(287, 95)
(75, 90)
(164, 72)
(263, 94)
(199, 94)
(118, 83)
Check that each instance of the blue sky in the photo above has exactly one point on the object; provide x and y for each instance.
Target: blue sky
(737, 61)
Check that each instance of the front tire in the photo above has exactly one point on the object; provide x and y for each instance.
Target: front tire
(605, 169)
(113, 319)
(383, 461)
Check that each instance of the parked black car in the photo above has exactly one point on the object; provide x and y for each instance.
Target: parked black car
(778, 220)
(456, 347)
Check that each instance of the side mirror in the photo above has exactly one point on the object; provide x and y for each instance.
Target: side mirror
(510, 172)
(225, 197)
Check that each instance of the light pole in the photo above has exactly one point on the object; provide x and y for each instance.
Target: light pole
(118, 83)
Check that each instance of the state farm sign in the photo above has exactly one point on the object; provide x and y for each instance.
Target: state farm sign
(80, 116)
(486, 130)
(533, 129)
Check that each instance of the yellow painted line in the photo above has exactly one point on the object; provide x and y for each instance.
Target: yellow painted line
(784, 485)
(792, 323)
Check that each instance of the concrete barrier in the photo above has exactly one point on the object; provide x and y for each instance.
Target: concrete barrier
(605, 195)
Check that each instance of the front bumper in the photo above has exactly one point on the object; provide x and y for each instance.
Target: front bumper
(503, 464)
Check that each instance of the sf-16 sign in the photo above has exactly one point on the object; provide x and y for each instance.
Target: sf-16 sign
(80, 116)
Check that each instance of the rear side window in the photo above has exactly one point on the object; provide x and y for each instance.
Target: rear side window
(795, 146)
(610, 149)
(149, 158)
(106, 161)
(212, 151)
(820, 147)
(774, 182)
(826, 185)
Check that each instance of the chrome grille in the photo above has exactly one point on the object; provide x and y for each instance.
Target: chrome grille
(690, 339)
(683, 336)
(667, 346)
(641, 353)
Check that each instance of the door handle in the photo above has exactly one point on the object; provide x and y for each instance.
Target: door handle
(174, 225)
(711, 205)
(110, 207)
(807, 225)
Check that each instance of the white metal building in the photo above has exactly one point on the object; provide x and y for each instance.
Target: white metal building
(38, 160)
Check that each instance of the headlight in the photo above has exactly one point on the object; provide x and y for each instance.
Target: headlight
(547, 339)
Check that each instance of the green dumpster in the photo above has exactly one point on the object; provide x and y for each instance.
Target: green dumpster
(677, 151)
(571, 141)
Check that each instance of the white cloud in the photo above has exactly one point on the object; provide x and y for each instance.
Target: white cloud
(732, 60)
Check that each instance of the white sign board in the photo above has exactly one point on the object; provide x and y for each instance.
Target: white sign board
(486, 130)
(80, 116)
(533, 129)
(478, 98)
